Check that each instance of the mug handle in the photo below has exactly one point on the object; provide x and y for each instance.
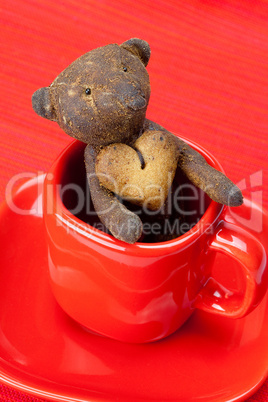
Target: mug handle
(236, 242)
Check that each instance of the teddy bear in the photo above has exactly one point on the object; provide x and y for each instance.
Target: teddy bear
(101, 100)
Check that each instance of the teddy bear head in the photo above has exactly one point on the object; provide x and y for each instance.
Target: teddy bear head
(101, 97)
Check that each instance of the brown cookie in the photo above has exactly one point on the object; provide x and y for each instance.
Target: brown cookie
(143, 177)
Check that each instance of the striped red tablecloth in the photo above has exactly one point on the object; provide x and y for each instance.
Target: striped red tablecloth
(208, 69)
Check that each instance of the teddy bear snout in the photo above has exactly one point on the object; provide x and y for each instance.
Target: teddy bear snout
(136, 102)
(132, 97)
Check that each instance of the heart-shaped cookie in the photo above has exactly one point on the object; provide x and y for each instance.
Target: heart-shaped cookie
(119, 169)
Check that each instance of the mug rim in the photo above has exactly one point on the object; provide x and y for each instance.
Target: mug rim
(212, 213)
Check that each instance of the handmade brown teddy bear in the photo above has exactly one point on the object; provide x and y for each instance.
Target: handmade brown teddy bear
(101, 99)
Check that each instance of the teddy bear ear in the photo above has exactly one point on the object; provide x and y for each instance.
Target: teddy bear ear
(42, 105)
(139, 48)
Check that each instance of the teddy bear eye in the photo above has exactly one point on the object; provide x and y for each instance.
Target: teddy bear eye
(125, 69)
(88, 91)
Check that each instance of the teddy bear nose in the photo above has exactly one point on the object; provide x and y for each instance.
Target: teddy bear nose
(129, 93)
(132, 96)
(135, 102)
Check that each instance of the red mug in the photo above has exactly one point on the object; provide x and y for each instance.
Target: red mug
(143, 292)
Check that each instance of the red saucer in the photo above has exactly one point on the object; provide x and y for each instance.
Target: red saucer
(44, 353)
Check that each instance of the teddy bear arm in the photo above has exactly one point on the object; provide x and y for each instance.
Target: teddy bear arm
(217, 186)
(214, 183)
(122, 223)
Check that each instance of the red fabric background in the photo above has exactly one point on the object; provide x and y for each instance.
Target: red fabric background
(208, 69)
